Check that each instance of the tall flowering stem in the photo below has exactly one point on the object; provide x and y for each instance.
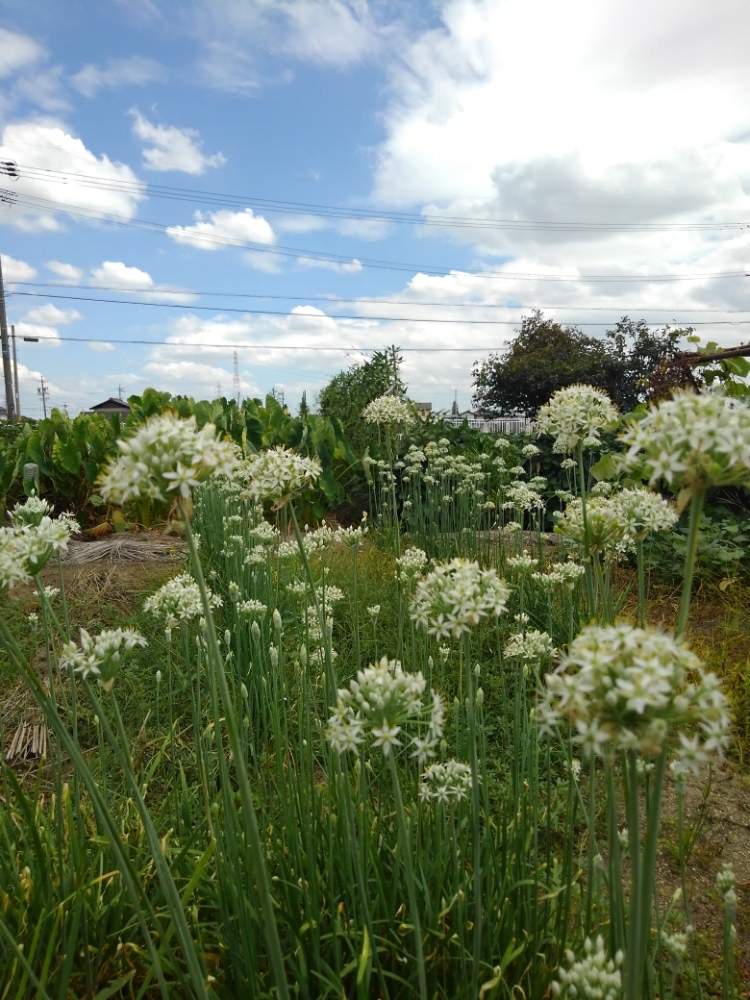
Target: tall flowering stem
(263, 881)
(694, 527)
(405, 845)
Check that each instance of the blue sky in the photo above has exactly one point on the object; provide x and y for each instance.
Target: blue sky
(471, 109)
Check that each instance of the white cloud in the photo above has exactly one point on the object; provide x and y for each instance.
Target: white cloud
(130, 71)
(101, 346)
(301, 223)
(210, 229)
(67, 272)
(171, 148)
(115, 274)
(47, 146)
(201, 378)
(17, 270)
(353, 266)
(52, 315)
(364, 229)
(45, 89)
(17, 52)
(330, 33)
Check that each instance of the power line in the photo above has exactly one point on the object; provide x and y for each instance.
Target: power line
(203, 196)
(246, 311)
(231, 346)
(168, 289)
(375, 263)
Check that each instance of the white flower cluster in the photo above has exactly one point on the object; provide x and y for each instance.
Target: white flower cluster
(642, 513)
(31, 511)
(625, 688)
(383, 705)
(595, 976)
(563, 574)
(521, 496)
(388, 410)
(445, 782)
(100, 655)
(576, 415)
(693, 441)
(27, 548)
(178, 601)
(252, 608)
(168, 454)
(277, 474)
(618, 523)
(529, 646)
(457, 595)
(524, 563)
(605, 527)
(411, 563)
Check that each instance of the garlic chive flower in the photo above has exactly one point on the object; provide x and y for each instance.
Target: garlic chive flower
(387, 709)
(693, 442)
(445, 782)
(594, 976)
(30, 512)
(625, 688)
(100, 656)
(27, 548)
(278, 474)
(576, 415)
(178, 601)
(529, 646)
(388, 410)
(168, 455)
(456, 596)
(411, 563)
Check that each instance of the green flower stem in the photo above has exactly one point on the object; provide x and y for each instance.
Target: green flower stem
(586, 538)
(641, 574)
(262, 879)
(131, 878)
(694, 524)
(405, 841)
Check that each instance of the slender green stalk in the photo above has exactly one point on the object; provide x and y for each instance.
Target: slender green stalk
(694, 525)
(406, 860)
(263, 881)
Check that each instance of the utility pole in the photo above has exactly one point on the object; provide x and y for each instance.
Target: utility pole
(119, 392)
(15, 371)
(10, 408)
(43, 392)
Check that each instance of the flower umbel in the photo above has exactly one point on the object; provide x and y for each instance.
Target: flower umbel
(100, 656)
(625, 688)
(576, 415)
(166, 455)
(387, 707)
(456, 596)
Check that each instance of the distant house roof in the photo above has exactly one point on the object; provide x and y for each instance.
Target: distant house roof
(111, 405)
(423, 407)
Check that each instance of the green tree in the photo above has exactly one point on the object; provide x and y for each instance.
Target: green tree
(543, 356)
(546, 355)
(349, 392)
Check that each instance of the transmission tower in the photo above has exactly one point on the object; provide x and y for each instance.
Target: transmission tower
(236, 376)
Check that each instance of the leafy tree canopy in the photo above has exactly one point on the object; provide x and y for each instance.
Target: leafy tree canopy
(546, 355)
(349, 392)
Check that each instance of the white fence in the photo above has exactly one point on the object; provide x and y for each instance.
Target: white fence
(497, 425)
